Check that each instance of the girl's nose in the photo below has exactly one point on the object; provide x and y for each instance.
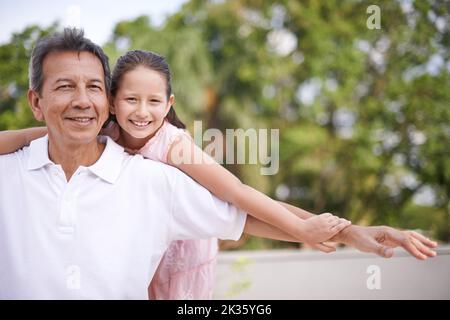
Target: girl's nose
(142, 111)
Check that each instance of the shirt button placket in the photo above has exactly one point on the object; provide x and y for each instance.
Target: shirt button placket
(68, 208)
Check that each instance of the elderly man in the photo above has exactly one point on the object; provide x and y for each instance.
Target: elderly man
(80, 218)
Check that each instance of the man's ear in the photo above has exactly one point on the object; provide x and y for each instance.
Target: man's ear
(35, 104)
(170, 103)
(112, 108)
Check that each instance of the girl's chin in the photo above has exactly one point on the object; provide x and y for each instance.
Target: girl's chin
(141, 134)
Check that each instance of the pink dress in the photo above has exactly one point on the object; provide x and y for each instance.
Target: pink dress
(187, 269)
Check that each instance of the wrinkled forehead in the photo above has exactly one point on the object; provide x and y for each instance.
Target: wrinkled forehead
(74, 65)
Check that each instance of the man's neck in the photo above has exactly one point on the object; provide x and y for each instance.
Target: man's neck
(72, 156)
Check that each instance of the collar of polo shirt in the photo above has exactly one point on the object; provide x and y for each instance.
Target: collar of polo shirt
(107, 167)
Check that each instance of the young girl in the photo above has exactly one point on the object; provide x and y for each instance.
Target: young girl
(146, 122)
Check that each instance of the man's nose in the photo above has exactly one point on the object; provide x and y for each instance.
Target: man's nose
(81, 99)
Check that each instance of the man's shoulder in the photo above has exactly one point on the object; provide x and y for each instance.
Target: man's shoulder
(14, 156)
(13, 160)
(150, 168)
(9, 157)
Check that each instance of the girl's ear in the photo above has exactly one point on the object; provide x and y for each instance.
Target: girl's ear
(36, 108)
(170, 103)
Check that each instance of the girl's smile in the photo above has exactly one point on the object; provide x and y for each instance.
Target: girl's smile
(140, 124)
(141, 105)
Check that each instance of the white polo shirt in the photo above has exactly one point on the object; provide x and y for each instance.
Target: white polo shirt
(102, 234)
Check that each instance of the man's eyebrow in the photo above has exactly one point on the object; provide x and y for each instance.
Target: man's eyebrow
(71, 80)
(96, 80)
(63, 80)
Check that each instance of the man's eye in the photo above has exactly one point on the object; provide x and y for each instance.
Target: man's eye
(64, 87)
(95, 88)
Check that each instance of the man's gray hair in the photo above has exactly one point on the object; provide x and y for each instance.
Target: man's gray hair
(71, 39)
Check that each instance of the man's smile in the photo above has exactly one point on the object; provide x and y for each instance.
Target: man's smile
(81, 120)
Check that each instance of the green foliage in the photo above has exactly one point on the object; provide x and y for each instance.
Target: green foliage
(371, 139)
(14, 57)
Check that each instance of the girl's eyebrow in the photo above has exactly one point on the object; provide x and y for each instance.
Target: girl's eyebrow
(126, 93)
(130, 92)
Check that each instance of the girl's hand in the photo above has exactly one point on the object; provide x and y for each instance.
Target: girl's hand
(323, 227)
(324, 247)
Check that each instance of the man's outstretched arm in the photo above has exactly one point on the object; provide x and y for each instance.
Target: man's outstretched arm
(374, 239)
(382, 239)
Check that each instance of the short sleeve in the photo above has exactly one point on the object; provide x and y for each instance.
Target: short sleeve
(196, 213)
(157, 147)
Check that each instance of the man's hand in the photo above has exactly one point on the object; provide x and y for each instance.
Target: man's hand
(381, 240)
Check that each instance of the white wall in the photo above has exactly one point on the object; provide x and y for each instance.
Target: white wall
(295, 274)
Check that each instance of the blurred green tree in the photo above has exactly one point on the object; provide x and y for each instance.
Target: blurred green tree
(14, 57)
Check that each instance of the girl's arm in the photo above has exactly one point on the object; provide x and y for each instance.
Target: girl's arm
(12, 140)
(258, 228)
(189, 158)
(303, 214)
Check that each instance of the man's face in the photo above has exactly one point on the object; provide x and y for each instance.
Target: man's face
(73, 101)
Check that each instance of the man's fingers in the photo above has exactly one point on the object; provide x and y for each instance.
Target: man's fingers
(411, 242)
(379, 249)
(383, 251)
(387, 252)
(408, 245)
(405, 239)
(422, 248)
(423, 239)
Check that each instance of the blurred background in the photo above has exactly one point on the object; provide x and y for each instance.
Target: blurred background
(363, 112)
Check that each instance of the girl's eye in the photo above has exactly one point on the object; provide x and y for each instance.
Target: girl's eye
(131, 99)
(154, 101)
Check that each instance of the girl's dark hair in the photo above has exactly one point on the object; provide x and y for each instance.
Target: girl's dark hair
(135, 58)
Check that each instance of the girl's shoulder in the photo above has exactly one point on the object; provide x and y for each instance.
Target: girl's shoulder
(170, 130)
(159, 145)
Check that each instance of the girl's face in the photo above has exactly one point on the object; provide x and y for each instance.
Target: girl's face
(141, 104)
